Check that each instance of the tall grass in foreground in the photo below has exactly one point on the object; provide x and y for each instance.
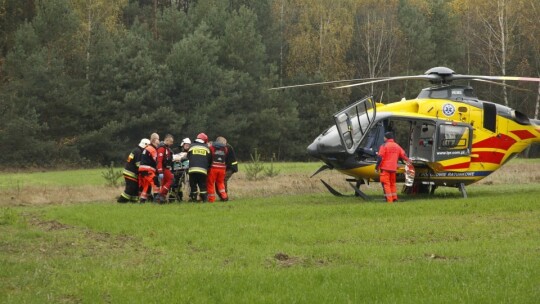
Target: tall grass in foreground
(286, 249)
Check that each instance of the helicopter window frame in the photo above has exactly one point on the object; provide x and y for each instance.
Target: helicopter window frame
(454, 137)
(352, 129)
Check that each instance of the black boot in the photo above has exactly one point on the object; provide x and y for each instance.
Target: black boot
(122, 199)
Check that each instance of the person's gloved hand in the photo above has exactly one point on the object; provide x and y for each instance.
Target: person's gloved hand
(160, 176)
(377, 169)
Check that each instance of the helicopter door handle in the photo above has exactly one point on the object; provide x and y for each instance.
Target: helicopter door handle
(475, 156)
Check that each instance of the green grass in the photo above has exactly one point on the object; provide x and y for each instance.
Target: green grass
(53, 178)
(296, 249)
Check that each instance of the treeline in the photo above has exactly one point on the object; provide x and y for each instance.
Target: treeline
(81, 81)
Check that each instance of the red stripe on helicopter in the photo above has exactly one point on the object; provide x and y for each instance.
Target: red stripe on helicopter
(502, 141)
(488, 157)
(458, 166)
(524, 134)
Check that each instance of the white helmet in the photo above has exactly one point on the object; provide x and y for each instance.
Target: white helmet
(185, 141)
(144, 142)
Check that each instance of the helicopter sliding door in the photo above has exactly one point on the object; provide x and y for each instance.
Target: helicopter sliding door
(354, 122)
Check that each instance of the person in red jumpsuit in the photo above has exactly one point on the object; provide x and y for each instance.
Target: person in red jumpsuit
(147, 167)
(219, 152)
(389, 154)
(164, 167)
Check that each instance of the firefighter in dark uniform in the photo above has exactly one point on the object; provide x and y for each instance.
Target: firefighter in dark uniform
(147, 169)
(216, 175)
(164, 167)
(131, 173)
(232, 164)
(199, 161)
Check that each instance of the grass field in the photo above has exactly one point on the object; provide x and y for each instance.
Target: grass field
(276, 247)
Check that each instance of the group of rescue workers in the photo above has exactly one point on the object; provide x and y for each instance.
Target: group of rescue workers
(148, 172)
(153, 169)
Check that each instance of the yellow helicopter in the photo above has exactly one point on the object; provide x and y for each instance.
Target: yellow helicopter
(452, 138)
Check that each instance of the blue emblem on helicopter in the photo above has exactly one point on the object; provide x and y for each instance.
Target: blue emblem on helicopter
(448, 109)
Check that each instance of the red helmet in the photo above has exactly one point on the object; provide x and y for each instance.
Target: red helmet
(203, 137)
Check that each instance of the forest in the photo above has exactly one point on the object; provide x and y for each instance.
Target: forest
(82, 81)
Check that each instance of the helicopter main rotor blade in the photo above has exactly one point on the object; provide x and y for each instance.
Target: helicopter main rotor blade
(512, 78)
(431, 77)
(501, 84)
(323, 83)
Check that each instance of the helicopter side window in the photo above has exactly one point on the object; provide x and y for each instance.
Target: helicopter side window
(453, 137)
(490, 117)
(345, 125)
(440, 94)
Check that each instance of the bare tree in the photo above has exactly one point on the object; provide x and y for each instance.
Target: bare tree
(93, 12)
(377, 37)
(498, 22)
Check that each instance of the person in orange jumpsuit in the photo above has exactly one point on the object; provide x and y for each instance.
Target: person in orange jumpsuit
(389, 154)
(147, 168)
(219, 152)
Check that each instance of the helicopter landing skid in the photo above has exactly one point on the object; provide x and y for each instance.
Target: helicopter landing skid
(332, 190)
(357, 191)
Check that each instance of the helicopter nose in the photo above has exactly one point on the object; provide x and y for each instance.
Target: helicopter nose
(313, 149)
(327, 145)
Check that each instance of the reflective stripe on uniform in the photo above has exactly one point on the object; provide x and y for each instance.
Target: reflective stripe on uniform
(129, 197)
(147, 168)
(197, 170)
(219, 166)
(128, 173)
